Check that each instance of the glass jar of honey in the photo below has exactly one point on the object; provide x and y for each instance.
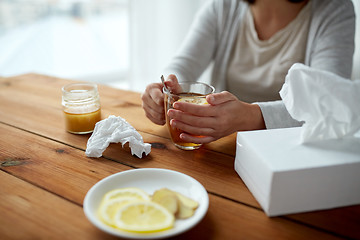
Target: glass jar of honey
(81, 106)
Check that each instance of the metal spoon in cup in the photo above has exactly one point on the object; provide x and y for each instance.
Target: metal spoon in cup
(163, 82)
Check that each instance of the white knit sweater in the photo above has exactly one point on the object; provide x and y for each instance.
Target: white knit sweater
(330, 46)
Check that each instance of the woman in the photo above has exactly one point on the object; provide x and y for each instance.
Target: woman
(252, 45)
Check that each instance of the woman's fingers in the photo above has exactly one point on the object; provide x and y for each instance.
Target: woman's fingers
(193, 139)
(223, 114)
(172, 84)
(190, 119)
(153, 103)
(195, 109)
(154, 114)
(155, 93)
(206, 110)
(213, 120)
(201, 131)
(219, 98)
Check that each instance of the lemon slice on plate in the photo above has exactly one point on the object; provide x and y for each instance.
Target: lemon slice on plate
(108, 208)
(126, 192)
(143, 217)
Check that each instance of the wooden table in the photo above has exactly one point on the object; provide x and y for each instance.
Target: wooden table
(45, 174)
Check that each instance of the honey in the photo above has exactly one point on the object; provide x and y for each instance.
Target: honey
(83, 122)
(81, 106)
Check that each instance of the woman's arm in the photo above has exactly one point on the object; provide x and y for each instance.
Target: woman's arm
(331, 37)
(197, 50)
(330, 47)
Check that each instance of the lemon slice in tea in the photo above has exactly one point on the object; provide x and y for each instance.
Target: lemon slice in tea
(194, 100)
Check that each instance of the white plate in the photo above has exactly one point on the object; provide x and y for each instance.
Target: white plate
(150, 180)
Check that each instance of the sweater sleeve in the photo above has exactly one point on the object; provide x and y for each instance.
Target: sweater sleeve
(331, 37)
(330, 47)
(276, 115)
(197, 50)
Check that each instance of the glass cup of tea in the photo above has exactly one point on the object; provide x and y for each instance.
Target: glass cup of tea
(191, 92)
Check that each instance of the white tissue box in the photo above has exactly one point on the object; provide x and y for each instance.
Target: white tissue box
(287, 177)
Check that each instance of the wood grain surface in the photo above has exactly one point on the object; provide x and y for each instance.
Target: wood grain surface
(45, 174)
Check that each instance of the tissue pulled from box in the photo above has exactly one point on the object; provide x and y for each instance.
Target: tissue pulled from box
(327, 103)
(114, 130)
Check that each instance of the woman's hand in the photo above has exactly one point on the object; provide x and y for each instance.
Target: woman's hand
(153, 99)
(224, 114)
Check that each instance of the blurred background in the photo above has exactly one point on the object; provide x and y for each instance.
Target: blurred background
(121, 43)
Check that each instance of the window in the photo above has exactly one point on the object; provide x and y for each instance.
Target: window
(80, 40)
(122, 43)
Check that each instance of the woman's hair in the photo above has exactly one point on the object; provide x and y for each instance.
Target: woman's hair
(293, 1)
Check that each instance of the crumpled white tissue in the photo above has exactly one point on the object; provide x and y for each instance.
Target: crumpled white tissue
(327, 103)
(114, 130)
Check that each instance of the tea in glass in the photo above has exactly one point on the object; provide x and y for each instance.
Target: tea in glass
(191, 92)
